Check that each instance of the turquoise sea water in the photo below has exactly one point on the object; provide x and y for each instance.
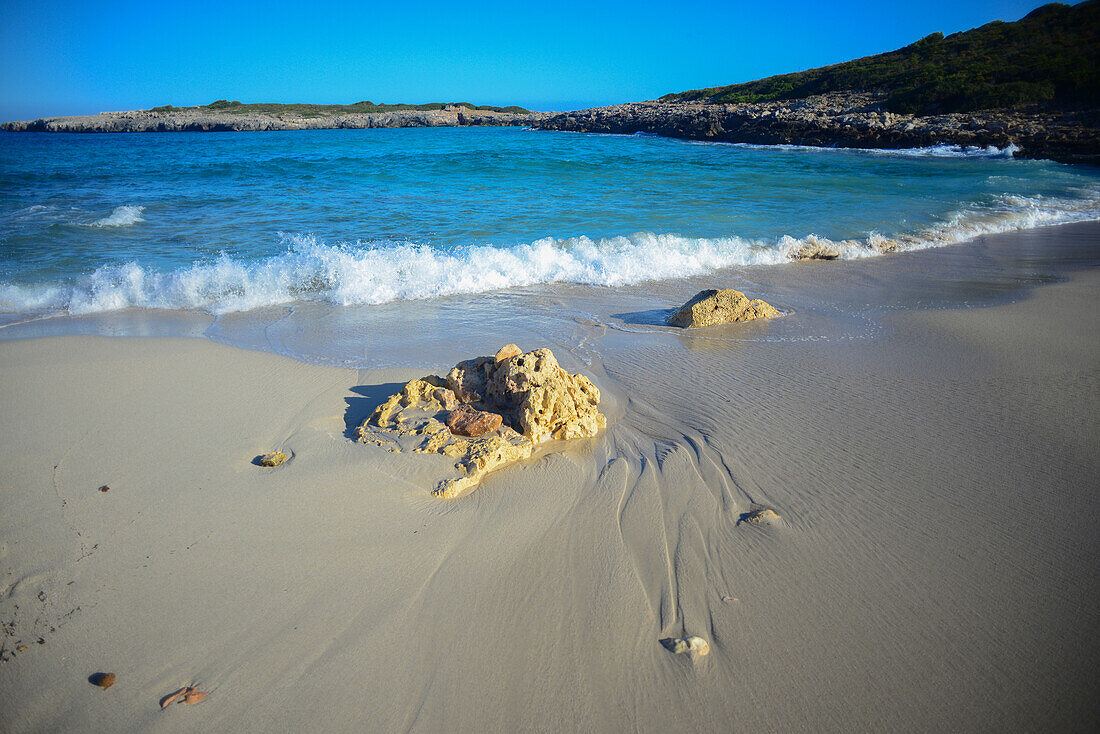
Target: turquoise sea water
(224, 223)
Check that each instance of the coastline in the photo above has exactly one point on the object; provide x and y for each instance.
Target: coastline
(847, 120)
(194, 120)
(844, 120)
(924, 424)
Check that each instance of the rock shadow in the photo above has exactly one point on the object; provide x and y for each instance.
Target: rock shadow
(370, 397)
(651, 317)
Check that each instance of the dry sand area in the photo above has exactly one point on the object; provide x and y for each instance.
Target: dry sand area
(934, 567)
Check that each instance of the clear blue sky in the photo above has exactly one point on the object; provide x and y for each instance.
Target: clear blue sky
(60, 57)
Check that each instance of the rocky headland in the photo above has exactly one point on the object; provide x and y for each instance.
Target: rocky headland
(845, 120)
(209, 120)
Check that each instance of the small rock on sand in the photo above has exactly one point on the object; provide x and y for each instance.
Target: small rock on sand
(694, 645)
(763, 515)
(275, 458)
(103, 680)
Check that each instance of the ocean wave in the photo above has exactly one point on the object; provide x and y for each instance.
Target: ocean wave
(122, 216)
(374, 273)
(942, 150)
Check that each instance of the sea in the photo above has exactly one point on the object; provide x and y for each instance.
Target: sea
(314, 243)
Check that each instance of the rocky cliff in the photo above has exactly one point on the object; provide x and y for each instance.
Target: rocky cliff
(846, 120)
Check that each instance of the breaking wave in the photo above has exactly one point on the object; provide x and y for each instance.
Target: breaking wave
(942, 150)
(122, 216)
(373, 273)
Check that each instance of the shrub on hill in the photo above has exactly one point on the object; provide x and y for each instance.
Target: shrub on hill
(1051, 57)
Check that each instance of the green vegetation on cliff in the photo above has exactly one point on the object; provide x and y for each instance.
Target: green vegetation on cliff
(322, 110)
(1051, 58)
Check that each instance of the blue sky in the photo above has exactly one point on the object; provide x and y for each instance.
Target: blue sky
(63, 57)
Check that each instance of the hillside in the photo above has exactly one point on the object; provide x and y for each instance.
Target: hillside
(1050, 58)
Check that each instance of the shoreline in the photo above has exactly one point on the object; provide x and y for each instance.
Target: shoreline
(844, 120)
(319, 332)
(931, 469)
(847, 120)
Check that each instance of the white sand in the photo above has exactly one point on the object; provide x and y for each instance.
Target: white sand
(935, 569)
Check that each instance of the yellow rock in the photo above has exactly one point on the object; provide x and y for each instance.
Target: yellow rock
(764, 515)
(727, 306)
(481, 456)
(547, 401)
(275, 458)
(420, 393)
(507, 352)
(537, 399)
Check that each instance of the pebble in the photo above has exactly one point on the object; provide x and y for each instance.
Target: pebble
(275, 458)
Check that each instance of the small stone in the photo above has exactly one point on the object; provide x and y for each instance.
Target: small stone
(758, 516)
(507, 352)
(275, 458)
(172, 698)
(20, 648)
(104, 488)
(697, 646)
(468, 421)
(103, 680)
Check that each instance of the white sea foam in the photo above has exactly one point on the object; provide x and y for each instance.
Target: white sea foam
(373, 273)
(931, 151)
(122, 216)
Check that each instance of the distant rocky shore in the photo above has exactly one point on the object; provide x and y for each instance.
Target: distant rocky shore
(840, 119)
(846, 120)
(197, 120)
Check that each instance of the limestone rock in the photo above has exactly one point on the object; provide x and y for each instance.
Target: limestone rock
(711, 307)
(762, 515)
(506, 404)
(814, 249)
(883, 244)
(478, 457)
(547, 401)
(431, 392)
(469, 421)
(467, 379)
(275, 458)
(697, 646)
(507, 352)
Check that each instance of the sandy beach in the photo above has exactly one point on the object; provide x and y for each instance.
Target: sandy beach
(924, 424)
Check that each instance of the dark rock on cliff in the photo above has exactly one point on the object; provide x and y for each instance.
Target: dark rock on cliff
(846, 120)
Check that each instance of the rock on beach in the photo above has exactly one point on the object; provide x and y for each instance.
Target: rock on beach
(711, 307)
(487, 412)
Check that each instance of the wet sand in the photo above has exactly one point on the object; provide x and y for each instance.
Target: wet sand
(924, 424)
